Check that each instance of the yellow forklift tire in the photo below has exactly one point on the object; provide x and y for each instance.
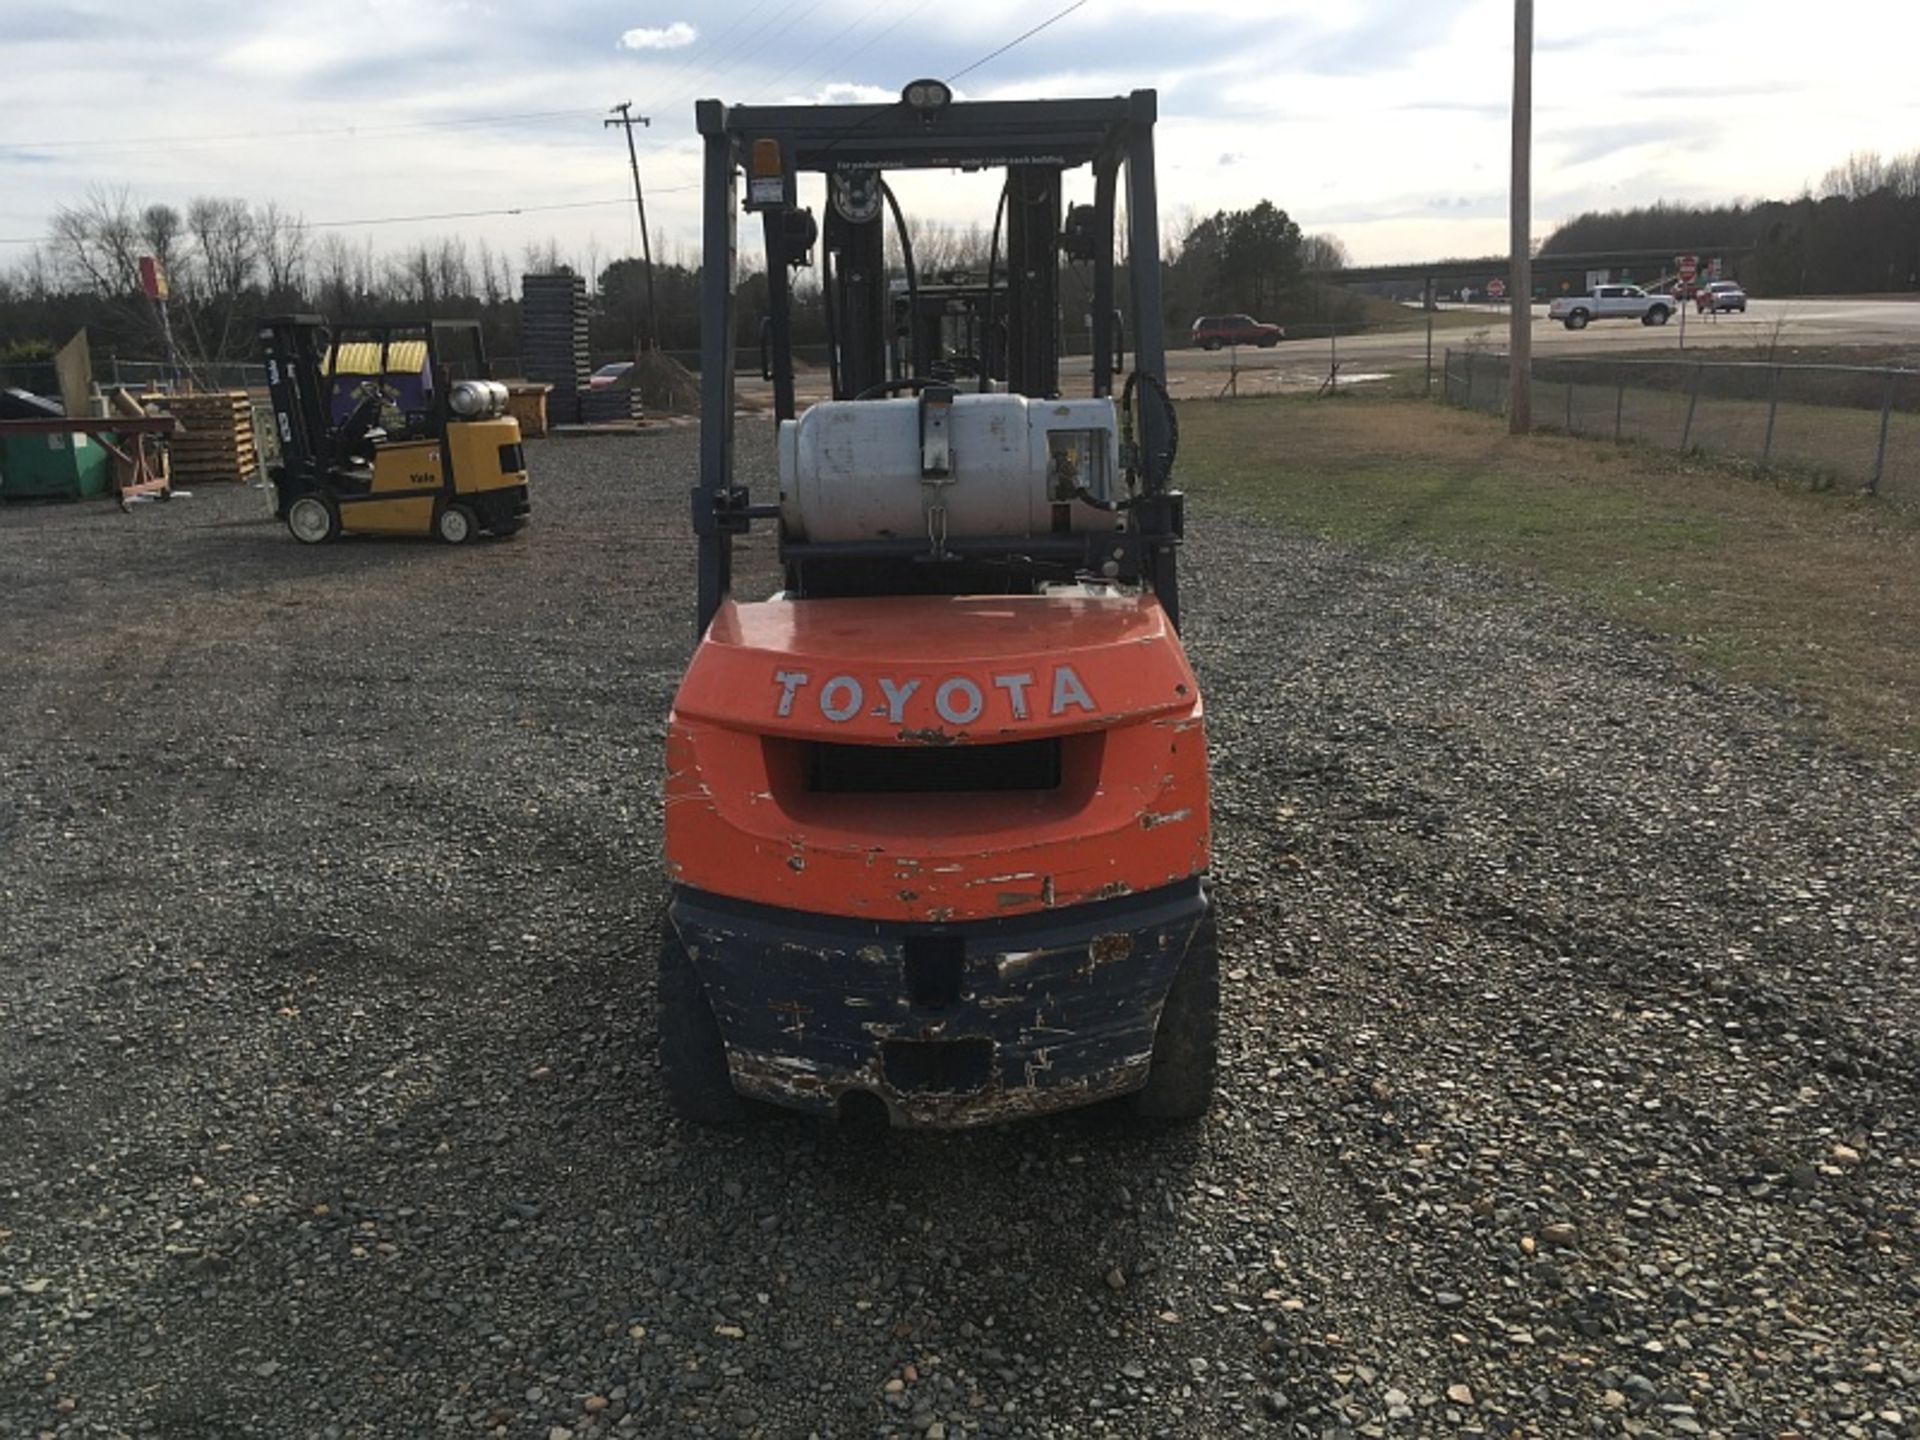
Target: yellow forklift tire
(312, 520)
(456, 525)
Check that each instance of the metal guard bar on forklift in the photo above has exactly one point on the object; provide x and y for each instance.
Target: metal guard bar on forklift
(1006, 1017)
(1025, 136)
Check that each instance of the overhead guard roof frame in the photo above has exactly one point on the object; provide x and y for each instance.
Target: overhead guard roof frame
(966, 134)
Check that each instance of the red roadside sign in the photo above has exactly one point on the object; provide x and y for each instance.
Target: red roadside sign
(1496, 288)
(1689, 266)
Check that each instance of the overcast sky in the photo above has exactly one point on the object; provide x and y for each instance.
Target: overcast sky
(1381, 121)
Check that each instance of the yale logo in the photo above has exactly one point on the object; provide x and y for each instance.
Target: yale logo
(957, 700)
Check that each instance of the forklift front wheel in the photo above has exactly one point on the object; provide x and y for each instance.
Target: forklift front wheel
(312, 520)
(693, 1057)
(1186, 1045)
(456, 525)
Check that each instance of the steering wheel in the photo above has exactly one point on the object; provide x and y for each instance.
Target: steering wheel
(915, 383)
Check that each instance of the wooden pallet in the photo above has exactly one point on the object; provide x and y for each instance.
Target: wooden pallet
(215, 439)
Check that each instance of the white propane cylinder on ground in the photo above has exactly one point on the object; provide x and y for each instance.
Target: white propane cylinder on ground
(851, 469)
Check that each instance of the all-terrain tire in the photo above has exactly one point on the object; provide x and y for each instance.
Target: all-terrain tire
(1186, 1046)
(693, 1057)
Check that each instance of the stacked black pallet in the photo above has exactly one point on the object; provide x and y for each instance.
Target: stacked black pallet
(553, 340)
(613, 403)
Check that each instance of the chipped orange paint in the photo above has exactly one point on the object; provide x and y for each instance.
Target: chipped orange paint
(1105, 676)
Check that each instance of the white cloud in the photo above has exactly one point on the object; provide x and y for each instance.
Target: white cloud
(676, 36)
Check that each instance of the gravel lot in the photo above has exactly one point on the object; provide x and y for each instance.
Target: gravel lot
(1571, 1056)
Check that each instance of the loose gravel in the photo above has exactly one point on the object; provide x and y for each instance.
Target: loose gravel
(1570, 1053)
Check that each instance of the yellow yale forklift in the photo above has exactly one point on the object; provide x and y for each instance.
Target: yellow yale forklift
(415, 441)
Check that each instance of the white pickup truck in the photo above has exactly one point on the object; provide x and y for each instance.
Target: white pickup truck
(1611, 302)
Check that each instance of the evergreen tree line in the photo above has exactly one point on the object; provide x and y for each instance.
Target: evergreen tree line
(1857, 232)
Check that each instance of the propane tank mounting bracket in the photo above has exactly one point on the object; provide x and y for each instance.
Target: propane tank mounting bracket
(936, 442)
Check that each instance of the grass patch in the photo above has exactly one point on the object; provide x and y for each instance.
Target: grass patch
(1763, 582)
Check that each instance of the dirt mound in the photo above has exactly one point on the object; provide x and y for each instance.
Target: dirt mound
(666, 386)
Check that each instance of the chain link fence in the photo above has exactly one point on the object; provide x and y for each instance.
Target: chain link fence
(1838, 425)
(39, 377)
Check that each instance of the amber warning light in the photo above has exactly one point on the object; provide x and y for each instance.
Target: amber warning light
(766, 174)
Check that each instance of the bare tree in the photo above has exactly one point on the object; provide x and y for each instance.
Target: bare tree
(164, 234)
(228, 242)
(413, 275)
(1860, 175)
(282, 235)
(97, 242)
(333, 266)
(227, 245)
(1324, 252)
(491, 288)
(542, 257)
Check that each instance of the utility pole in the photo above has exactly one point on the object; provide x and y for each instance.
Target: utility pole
(626, 122)
(1520, 202)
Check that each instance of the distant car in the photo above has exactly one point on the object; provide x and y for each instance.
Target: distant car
(1611, 302)
(1721, 295)
(608, 375)
(1210, 332)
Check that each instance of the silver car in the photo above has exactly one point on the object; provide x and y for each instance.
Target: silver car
(1719, 295)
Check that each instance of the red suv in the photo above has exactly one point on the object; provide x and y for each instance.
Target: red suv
(1210, 332)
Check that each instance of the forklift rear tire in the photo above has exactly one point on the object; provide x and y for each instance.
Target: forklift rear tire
(693, 1057)
(312, 520)
(455, 525)
(1186, 1046)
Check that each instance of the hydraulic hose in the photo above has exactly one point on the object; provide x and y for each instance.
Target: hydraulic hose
(913, 277)
(993, 259)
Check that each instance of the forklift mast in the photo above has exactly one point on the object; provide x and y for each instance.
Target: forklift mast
(294, 347)
(1035, 143)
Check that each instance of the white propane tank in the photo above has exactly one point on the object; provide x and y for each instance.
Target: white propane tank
(852, 469)
(477, 399)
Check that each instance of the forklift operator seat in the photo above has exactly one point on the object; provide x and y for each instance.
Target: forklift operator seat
(360, 432)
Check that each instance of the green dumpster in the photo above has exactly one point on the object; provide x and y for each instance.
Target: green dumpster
(53, 467)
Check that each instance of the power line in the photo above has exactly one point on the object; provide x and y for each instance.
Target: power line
(1018, 39)
(280, 136)
(859, 49)
(867, 44)
(748, 47)
(435, 215)
(695, 62)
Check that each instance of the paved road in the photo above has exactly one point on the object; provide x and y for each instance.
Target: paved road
(1802, 322)
(1302, 364)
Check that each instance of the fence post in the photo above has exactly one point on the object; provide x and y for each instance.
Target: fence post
(1469, 401)
(1880, 454)
(1429, 340)
(1619, 403)
(1773, 408)
(1333, 357)
(1446, 377)
(1693, 403)
(1569, 407)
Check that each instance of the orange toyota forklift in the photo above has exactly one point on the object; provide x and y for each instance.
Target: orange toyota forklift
(936, 812)
(421, 445)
